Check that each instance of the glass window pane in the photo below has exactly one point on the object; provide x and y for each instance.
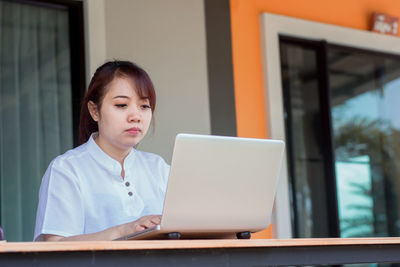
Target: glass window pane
(303, 133)
(365, 90)
(35, 107)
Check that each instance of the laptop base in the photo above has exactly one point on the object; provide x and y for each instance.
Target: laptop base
(177, 235)
(156, 233)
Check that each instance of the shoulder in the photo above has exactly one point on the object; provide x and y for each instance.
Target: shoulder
(63, 172)
(71, 156)
(70, 162)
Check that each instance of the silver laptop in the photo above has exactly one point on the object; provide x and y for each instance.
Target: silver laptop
(218, 187)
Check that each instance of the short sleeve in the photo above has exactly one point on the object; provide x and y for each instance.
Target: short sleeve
(60, 209)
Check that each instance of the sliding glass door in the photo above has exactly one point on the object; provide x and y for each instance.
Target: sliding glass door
(343, 138)
(365, 92)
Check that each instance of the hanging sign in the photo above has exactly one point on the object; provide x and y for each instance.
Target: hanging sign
(385, 24)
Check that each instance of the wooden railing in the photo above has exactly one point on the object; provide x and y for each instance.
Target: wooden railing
(193, 253)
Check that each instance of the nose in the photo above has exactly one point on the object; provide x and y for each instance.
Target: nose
(134, 115)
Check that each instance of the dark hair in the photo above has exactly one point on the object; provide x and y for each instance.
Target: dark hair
(103, 76)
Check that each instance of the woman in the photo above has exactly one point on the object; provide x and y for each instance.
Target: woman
(105, 189)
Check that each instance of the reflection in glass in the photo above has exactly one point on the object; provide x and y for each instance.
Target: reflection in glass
(365, 91)
(303, 134)
(353, 179)
(362, 100)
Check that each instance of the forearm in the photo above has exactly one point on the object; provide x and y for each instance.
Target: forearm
(105, 235)
(112, 232)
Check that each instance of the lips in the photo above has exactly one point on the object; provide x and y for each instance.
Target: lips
(134, 130)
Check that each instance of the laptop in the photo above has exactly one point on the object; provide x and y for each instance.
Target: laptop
(218, 187)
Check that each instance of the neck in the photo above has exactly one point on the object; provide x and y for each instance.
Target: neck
(114, 152)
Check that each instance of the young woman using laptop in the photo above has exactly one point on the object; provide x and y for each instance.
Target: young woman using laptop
(105, 188)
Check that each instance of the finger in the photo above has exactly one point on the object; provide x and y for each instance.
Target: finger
(139, 228)
(153, 218)
(156, 219)
(141, 220)
(148, 224)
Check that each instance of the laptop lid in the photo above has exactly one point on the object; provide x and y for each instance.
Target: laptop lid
(221, 184)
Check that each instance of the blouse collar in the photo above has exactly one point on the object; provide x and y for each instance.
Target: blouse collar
(104, 160)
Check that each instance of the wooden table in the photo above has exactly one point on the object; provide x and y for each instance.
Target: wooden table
(192, 253)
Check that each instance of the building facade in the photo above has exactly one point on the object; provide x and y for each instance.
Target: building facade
(307, 72)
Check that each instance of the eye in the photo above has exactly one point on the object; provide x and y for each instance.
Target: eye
(146, 106)
(120, 105)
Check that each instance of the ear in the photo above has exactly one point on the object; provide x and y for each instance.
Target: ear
(94, 112)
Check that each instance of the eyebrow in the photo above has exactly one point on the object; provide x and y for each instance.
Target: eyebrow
(127, 97)
(121, 96)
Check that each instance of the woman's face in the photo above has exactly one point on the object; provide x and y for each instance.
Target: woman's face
(124, 117)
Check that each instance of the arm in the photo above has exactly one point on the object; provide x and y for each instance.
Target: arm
(112, 232)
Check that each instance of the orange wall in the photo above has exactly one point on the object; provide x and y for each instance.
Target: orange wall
(246, 44)
(247, 66)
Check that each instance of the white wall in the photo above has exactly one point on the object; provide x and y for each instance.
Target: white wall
(166, 38)
(95, 36)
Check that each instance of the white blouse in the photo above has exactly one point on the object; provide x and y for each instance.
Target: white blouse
(83, 192)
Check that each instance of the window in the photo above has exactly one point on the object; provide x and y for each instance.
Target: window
(315, 38)
(343, 137)
(41, 84)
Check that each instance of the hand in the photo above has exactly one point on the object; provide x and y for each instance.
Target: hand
(141, 224)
